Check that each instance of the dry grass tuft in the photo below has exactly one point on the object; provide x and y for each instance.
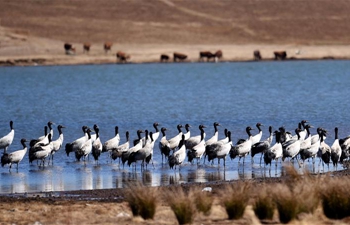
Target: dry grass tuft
(264, 205)
(306, 193)
(182, 205)
(293, 175)
(142, 201)
(335, 198)
(235, 199)
(287, 204)
(203, 200)
(299, 194)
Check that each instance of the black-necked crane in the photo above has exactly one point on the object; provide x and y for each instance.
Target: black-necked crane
(336, 150)
(57, 144)
(291, 148)
(6, 140)
(197, 151)
(262, 146)
(164, 145)
(138, 146)
(324, 152)
(274, 152)
(311, 150)
(75, 145)
(112, 143)
(97, 144)
(41, 151)
(179, 156)
(215, 136)
(174, 141)
(157, 132)
(219, 149)
(188, 131)
(243, 148)
(143, 153)
(194, 140)
(85, 149)
(256, 138)
(14, 157)
(118, 152)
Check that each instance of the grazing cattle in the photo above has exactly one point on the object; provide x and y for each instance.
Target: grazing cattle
(218, 54)
(206, 54)
(70, 50)
(164, 58)
(107, 47)
(122, 56)
(179, 56)
(282, 55)
(86, 47)
(257, 55)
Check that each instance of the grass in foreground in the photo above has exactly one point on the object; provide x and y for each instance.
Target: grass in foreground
(182, 205)
(264, 205)
(335, 198)
(287, 204)
(235, 199)
(203, 200)
(142, 201)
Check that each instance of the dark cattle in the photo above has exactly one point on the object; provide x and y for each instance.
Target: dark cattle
(86, 47)
(164, 58)
(70, 50)
(218, 54)
(122, 56)
(257, 55)
(107, 47)
(206, 54)
(179, 56)
(282, 55)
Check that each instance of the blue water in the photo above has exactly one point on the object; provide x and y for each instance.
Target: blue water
(135, 96)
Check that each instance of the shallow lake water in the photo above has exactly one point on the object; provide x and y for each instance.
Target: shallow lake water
(135, 96)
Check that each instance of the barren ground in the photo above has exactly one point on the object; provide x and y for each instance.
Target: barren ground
(34, 31)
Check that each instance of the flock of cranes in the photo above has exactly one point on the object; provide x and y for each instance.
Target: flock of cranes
(301, 146)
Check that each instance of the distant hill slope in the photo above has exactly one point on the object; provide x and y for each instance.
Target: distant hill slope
(181, 22)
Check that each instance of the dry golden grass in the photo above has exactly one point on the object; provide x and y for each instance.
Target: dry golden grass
(287, 204)
(235, 199)
(264, 205)
(335, 197)
(182, 205)
(142, 201)
(203, 200)
(296, 199)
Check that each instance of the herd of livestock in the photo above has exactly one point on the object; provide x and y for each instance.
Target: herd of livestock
(280, 144)
(177, 56)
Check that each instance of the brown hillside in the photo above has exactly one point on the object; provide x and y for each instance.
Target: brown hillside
(33, 31)
(182, 22)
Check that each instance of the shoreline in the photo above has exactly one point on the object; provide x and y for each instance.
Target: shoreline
(110, 206)
(116, 194)
(63, 62)
(40, 51)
